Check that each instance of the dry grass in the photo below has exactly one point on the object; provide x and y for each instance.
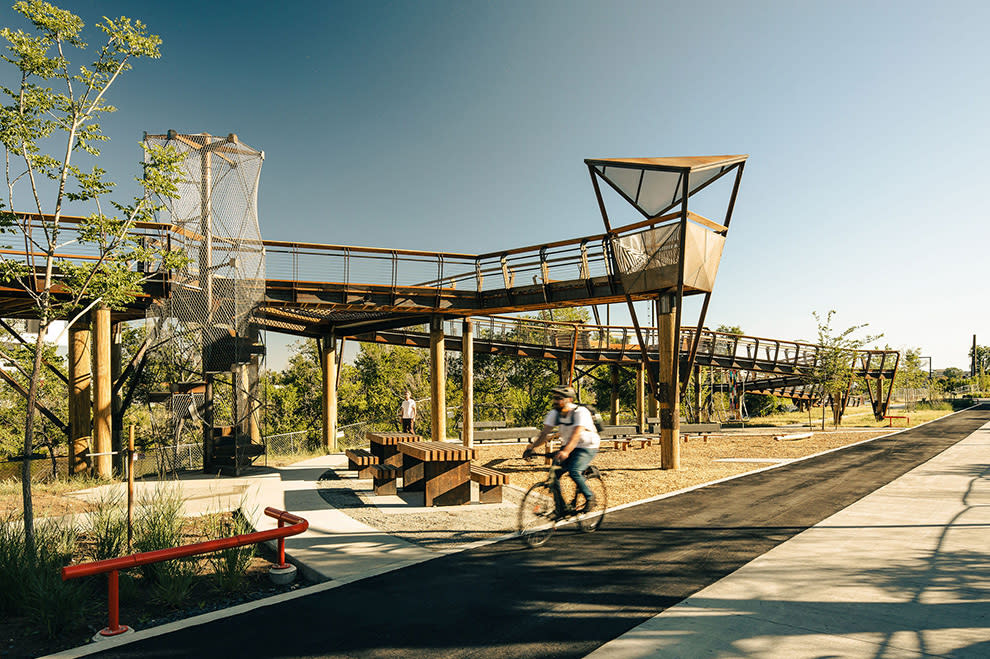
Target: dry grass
(48, 499)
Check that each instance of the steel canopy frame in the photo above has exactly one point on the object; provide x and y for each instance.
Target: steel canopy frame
(709, 169)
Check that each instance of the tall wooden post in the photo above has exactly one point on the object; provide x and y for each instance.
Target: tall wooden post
(328, 359)
(102, 403)
(80, 401)
(116, 429)
(467, 382)
(669, 398)
(438, 381)
(254, 421)
(641, 397)
(697, 392)
(613, 407)
(208, 432)
(651, 405)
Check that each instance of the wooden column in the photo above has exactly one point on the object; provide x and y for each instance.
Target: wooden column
(651, 406)
(467, 383)
(641, 397)
(669, 399)
(697, 391)
(116, 443)
(102, 403)
(254, 422)
(207, 422)
(80, 398)
(438, 381)
(328, 359)
(613, 407)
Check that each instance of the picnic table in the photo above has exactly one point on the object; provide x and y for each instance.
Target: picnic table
(385, 446)
(441, 470)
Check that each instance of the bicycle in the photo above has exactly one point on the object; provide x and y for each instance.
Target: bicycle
(543, 507)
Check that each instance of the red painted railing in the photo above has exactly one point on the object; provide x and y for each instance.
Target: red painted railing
(114, 565)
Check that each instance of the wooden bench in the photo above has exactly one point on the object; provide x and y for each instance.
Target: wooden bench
(384, 478)
(618, 431)
(441, 470)
(890, 420)
(361, 460)
(489, 482)
(488, 425)
(384, 446)
(701, 430)
(523, 433)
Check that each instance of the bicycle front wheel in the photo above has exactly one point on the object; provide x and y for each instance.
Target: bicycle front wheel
(591, 520)
(537, 515)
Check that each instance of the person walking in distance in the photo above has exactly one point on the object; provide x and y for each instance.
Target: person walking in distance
(408, 413)
(579, 440)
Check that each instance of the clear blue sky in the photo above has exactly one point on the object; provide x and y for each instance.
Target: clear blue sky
(462, 126)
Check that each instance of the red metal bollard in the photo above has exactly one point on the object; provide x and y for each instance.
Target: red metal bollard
(281, 547)
(113, 603)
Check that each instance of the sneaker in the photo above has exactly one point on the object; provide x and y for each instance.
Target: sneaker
(589, 504)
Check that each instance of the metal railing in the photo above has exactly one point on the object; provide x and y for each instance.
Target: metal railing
(112, 566)
(722, 349)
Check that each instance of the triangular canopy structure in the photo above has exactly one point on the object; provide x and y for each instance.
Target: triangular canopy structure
(655, 185)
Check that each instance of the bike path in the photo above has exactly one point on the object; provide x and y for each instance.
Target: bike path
(579, 591)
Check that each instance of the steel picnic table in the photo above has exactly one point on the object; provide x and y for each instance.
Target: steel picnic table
(441, 470)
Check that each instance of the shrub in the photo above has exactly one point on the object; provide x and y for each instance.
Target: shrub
(229, 565)
(55, 605)
(933, 405)
(107, 525)
(158, 525)
(33, 585)
(764, 405)
(12, 558)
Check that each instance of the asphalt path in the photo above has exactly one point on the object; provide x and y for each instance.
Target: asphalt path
(580, 590)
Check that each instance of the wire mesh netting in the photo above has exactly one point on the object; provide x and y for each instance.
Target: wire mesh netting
(204, 323)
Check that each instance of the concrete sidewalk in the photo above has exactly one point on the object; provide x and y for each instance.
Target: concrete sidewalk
(904, 572)
(335, 546)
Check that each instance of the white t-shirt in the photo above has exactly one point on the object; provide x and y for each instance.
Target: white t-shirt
(578, 416)
(408, 408)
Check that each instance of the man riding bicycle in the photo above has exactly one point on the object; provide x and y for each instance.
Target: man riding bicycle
(579, 441)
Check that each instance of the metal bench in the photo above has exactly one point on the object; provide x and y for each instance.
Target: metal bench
(489, 482)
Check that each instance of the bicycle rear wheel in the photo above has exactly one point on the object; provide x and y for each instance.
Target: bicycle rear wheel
(591, 520)
(537, 515)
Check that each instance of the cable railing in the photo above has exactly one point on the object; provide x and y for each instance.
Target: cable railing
(303, 263)
(721, 349)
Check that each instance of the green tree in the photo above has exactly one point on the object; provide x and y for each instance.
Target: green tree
(294, 396)
(982, 364)
(833, 372)
(910, 375)
(51, 115)
(384, 373)
(953, 379)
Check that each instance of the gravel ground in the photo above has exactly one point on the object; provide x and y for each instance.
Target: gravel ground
(631, 475)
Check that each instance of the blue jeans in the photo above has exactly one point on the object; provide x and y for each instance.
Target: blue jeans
(575, 464)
